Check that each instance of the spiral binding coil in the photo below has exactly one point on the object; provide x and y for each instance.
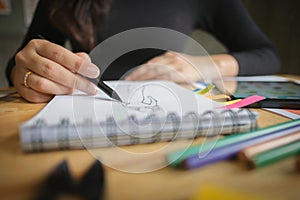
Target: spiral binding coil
(135, 131)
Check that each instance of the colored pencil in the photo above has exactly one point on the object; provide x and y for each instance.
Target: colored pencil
(175, 158)
(225, 152)
(247, 154)
(273, 155)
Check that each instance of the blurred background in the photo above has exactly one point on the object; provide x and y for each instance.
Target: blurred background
(278, 19)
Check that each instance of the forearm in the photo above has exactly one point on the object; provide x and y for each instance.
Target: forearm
(182, 68)
(258, 62)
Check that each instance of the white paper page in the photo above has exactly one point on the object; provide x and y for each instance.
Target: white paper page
(141, 99)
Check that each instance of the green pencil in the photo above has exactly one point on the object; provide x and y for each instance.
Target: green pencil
(273, 155)
(175, 158)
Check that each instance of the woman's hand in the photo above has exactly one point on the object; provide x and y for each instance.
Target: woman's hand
(182, 68)
(54, 70)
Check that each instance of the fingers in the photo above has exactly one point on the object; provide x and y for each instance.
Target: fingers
(46, 86)
(156, 72)
(34, 96)
(168, 66)
(55, 70)
(148, 72)
(39, 89)
(56, 73)
(78, 63)
(26, 92)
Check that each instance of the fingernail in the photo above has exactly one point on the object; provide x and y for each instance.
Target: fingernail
(92, 71)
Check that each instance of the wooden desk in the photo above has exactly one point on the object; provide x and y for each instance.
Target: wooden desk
(21, 174)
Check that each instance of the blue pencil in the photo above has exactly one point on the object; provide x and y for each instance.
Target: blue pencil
(229, 151)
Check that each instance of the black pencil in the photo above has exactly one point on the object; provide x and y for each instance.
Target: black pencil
(109, 91)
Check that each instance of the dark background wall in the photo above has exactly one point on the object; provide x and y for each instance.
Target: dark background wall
(279, 19)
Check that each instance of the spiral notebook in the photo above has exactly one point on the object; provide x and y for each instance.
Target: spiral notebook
(151, 111)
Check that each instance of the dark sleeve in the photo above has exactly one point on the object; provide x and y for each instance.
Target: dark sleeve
(230, 23)
(40, 25)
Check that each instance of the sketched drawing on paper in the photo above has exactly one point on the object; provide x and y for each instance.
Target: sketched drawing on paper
(145, 104)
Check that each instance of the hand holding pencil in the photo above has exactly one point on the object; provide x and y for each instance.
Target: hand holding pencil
(44, 69)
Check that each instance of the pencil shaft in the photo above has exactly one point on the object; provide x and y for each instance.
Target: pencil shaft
(273, 155)
(225, 152)
(266, 146)
(175, 158)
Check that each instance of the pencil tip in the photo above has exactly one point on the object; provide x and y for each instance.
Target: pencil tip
(116, 97)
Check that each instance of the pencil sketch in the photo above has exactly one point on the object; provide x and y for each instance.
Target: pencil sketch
(146, 103)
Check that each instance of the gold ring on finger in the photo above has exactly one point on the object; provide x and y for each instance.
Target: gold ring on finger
(26, 76)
